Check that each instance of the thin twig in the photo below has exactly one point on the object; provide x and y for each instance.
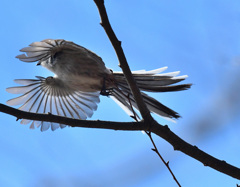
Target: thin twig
(165, 163)
(133, 111)
(155, 149)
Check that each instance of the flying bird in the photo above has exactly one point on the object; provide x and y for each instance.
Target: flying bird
(80, 78)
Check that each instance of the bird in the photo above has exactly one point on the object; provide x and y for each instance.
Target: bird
(80, 78)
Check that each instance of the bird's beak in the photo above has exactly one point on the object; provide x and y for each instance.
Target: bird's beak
(39, 63)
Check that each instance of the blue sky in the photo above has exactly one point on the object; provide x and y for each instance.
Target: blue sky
(200, 38)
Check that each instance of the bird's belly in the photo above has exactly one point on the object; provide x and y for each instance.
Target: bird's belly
(88, 84)
(84, 83)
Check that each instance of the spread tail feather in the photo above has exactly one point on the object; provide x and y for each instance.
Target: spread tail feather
(150, 81)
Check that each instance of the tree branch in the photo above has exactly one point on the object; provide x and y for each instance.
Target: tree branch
(19, 114)
(123, 61)
(194, 152)
(161, 131)
(155, 149)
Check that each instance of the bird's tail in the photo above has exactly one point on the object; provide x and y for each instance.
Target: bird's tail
(150, 81)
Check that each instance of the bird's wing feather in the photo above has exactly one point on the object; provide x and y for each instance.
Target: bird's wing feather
(50, 95)
(45, 49)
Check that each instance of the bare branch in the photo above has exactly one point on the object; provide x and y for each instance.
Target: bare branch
(194, 152)
(122, 60)
(19, 114)
(155, 149)
(161, 131)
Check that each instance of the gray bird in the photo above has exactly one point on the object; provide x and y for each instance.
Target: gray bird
(80, 78)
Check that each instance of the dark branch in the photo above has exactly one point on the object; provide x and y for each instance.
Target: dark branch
(194, 152)
(19, 114)
(122, 60)
(155, 149)
(161, 131)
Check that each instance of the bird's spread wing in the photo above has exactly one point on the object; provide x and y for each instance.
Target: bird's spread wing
(50, 95)
(45, 49)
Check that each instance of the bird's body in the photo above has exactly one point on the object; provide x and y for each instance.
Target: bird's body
(84, 72)
(80, 77)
